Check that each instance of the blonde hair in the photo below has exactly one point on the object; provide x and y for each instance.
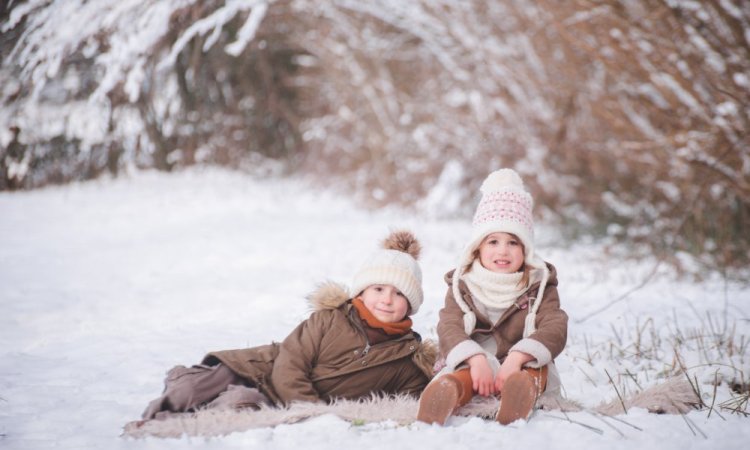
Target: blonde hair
(525, 268)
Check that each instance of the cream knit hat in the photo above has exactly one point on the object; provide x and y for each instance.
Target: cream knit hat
(505, 207)
(395, 264)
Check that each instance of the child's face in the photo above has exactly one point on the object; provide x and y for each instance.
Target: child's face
(501, 253)
(385, 302)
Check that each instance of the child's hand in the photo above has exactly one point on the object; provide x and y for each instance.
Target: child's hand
(512, 364)
(481, 375)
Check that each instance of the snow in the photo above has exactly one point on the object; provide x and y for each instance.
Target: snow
(687, 99)
(444, 198)
(215, 24)
(107, 284)
(248, 30)
(57, 30)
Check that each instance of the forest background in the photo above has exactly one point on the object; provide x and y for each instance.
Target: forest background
(628, 120)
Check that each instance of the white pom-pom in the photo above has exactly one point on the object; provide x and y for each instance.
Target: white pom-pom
(502, 179)
(470, 322)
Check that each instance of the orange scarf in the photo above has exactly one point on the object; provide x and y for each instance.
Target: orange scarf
(393, 329)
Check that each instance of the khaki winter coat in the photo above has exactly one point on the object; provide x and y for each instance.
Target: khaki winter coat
(551, 321)
(328, 356)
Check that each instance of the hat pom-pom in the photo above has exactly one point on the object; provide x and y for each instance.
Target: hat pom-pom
(501, 179)
(403, 241)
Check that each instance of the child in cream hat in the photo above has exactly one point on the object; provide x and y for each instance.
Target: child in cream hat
(357, 342)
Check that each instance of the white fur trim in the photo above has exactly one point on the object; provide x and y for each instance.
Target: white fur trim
(462, 352)
(401, 409)
(541, 354)
(671, 396)
(491, 360)
(328, 295)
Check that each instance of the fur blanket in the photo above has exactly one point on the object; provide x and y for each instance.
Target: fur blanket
(673, 396)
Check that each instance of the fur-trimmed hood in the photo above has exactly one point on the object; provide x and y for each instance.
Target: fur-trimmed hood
(331, 295)
(328, 295)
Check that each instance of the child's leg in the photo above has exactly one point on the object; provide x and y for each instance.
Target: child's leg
(463, 377)
(185, 388)
(235, 397)
(520, 393)
(442, 396)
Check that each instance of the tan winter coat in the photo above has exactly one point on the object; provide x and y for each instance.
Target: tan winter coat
(328, 356)
(546, 343)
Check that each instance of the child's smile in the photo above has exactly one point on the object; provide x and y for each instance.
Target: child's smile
(501, 253)
(385, 302)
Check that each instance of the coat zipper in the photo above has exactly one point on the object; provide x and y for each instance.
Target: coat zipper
(368, 346)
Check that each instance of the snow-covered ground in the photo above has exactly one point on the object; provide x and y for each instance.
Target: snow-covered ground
(105, 285)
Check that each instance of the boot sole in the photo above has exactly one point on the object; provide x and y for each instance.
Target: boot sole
(518, 398)
(437, 402)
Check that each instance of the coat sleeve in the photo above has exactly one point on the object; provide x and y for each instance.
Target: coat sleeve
(551, 334)
(455, 344)
(292, 371)
(414, 383)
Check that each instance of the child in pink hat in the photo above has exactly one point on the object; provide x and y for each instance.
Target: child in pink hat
(501, 326)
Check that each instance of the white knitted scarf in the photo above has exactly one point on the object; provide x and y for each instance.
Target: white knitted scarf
(494, 290)
(470, 319)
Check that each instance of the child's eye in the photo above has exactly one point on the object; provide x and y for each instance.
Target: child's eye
(513, 242)
(378, 288)
(493, 242)
(400, 294)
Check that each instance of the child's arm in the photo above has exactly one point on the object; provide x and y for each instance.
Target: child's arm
(292, 369)
(551, 334)
(457, 346)
(481, 375)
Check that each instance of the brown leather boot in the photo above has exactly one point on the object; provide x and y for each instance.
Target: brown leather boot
(520, 393)
(442, 396)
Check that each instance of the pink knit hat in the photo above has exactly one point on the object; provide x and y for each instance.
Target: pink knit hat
(505, 207)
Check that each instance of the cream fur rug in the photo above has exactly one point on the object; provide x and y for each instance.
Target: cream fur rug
(673, 396)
